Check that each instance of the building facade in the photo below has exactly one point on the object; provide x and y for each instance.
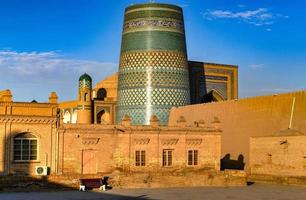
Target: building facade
(33, 137)
(282, 154)
(27, 134)
(245, 118)
(140, 120)
(208, 82)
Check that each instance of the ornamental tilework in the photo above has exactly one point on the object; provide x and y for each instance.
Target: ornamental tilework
(137, 114)
(153, 13)
(153, 70)
(156, 24)
(224, 71)
(85, 84)
(220, 87)
(153, 58)
(153, 5)
(157, 97)
(153, 40)
(175, 79)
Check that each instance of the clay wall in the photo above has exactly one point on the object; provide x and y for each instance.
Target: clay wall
(100, 149)
(42, 128)
(28, 109)
(241, 119)
(281, 156)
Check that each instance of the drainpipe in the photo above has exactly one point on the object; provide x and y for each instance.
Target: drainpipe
(57, 140)
(291, 115)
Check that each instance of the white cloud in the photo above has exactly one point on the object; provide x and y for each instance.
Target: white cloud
(40, 63)
(35, 74)
(257, 17)
(256, 66)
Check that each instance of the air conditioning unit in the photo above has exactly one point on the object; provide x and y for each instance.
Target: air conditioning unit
(41, 170)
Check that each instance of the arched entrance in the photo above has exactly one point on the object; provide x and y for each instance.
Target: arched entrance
(212, 96)
(103, 117)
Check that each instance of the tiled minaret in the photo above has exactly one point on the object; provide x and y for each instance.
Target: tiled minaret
(153, 70)
(84, 100)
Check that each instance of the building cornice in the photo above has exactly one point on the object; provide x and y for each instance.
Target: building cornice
(27, 119)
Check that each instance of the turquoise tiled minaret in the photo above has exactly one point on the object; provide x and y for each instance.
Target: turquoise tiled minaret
(153, 70)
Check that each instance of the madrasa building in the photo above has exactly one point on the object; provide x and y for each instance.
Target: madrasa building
(160, 112)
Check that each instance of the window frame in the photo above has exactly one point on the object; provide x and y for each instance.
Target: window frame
(21, 139)
(140, 158)
(192, 157)
(167, 157)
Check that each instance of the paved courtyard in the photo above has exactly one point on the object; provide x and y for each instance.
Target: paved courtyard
(254, 192)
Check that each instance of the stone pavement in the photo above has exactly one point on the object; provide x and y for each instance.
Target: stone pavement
(254, 192)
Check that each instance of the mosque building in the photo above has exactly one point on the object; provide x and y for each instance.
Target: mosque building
(159, 112)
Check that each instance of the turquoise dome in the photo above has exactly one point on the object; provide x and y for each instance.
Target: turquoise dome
(85, 77)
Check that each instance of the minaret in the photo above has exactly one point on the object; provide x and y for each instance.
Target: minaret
(84, 100)
(153, 70)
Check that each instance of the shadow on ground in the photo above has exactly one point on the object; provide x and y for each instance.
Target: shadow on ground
(25, 187)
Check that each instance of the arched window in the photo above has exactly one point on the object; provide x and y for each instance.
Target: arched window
(67, 117)
(85, 96)
(25, 147)
(74, 116)
(101, 94)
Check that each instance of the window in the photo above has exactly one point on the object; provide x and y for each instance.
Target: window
(85, 97)
(102, 93)
(140, 158)
(167, 157)
(193, 157)
(25, 147)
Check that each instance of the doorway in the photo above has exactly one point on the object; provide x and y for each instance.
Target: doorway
(89, 162)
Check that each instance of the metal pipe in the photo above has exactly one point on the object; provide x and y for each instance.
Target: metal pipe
(291, 115)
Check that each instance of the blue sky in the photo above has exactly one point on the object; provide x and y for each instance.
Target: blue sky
(46, 45)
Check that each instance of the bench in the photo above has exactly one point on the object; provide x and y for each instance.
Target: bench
(87, 184)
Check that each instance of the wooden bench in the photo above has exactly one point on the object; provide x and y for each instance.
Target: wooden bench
(86, 184)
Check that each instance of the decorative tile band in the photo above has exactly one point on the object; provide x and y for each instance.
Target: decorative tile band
(152, 5)
(137, 114)
(85, 84)
(152, 9)
(153, 40)
(224, 71)
(217, 78)
(167, 79)
(155, 97)
(153, 58)
(153, 13)
(153, 24)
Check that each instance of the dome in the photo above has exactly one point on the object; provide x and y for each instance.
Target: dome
(6, 92)
(85, 77)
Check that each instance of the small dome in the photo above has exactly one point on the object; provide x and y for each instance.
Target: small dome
(53, 95)
(6, 92)
(85, 77)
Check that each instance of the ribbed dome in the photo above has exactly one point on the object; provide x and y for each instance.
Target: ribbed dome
(85, 77)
